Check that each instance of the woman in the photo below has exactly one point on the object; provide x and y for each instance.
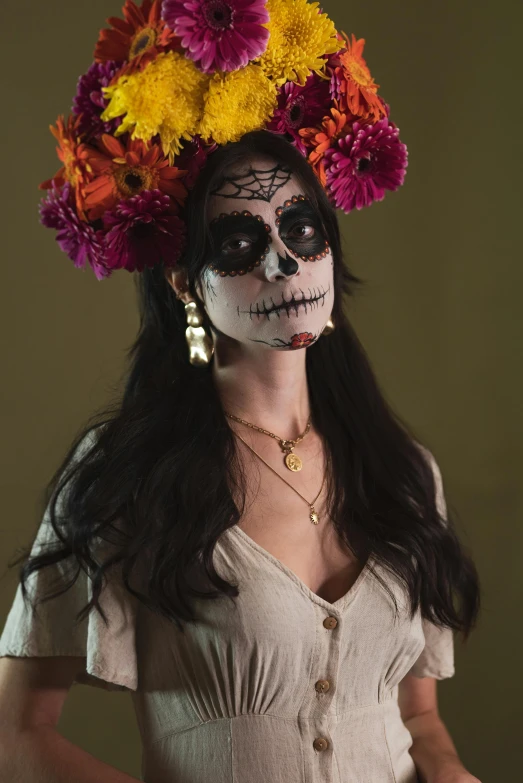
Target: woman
(253, 461)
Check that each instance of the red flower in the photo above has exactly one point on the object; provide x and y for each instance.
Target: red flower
(301, 340)
(137, 40)
(321, 138)
(121, 172)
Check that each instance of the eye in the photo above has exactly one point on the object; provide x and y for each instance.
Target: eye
(235, 245)
(302, 231)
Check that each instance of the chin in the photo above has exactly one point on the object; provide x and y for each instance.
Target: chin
(294, 334)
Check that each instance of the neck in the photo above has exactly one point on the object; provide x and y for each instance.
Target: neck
(267, 388)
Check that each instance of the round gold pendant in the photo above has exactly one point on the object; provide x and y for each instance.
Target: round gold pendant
(293, 462)
(314, 518)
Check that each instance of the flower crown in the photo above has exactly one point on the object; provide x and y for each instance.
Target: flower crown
(171, 82)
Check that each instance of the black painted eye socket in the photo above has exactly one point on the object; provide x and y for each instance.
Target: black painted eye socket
(239, 241)
(298, 221)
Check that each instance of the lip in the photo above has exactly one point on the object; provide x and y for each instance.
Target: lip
(317, 297)
(292, 306)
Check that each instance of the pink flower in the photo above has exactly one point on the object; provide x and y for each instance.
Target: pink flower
(361, 165)
(219, 34)
(300, 107)
(77, 238)
(142, 231)
(89, 101)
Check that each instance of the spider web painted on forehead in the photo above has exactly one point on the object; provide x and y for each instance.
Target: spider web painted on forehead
(256, 184)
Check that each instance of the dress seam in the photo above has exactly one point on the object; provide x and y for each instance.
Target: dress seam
(225, 717)
(384, 727)
(374, 705)
(231, 750)
(385, 678)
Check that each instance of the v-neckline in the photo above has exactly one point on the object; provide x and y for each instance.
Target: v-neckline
(339, 604)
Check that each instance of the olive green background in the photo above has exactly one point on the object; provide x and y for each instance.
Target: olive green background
(440, 315)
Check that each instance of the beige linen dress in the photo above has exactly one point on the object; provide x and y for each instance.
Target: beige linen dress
(275, 686)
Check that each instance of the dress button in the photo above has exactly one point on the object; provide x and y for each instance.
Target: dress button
(330, 623)
(320, 743)
(322, 686)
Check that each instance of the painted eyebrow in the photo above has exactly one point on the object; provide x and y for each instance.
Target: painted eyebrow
(233, 224)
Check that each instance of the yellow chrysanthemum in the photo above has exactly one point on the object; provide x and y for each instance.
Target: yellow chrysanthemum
(299, 36)
(165, 98)
(236, 103)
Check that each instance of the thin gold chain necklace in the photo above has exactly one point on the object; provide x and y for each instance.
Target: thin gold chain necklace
(313, 516)
(291, 460)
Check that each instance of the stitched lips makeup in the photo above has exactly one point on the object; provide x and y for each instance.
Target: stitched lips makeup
(309, 300)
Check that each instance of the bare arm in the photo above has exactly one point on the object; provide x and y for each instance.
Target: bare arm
(433, 752)
(42, 755)
(32, 695)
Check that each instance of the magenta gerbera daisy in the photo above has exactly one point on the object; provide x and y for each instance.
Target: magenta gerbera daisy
(143, 231)
(90, 102)
(193, 158)
(77, 238)
(219, 34)
(300, 107)
(361, 165)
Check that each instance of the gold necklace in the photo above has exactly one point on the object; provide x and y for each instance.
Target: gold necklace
(291, 460)
(313, 516)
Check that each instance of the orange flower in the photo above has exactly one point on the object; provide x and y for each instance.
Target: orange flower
(138, 40)
(121, 172)
(357, 90)
(74, 155)
(320, 139)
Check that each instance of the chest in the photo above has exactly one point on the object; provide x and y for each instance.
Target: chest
(276, 517)
(280, 524)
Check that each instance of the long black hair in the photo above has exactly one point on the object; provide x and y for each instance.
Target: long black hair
(151, 474)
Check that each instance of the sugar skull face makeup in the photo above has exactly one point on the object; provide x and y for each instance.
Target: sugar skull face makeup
(269, 275)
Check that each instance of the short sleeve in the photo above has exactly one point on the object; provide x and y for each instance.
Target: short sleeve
(437, 657)
(109, 650)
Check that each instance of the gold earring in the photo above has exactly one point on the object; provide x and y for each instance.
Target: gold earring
(328, 328)
(201, 347)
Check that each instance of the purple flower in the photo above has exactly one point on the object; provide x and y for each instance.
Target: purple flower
(193, 158)
(335, 84)
(75, 237)
(219, 34)
(89, 100)
(363, 164)
(143, 231)
(300, 107)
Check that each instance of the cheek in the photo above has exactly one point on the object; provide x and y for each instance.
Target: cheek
(224, 295)
(226, 298)
(316, 268)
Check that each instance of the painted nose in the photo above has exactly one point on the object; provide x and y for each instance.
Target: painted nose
(279, 264)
